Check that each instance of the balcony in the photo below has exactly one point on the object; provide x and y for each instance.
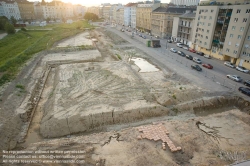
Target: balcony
(220, 21)
(186, 32)
(184, 26)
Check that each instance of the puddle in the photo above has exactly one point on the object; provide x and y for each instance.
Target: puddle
(144, 65)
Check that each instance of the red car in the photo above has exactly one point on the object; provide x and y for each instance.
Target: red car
(207, 66)
(192, 50)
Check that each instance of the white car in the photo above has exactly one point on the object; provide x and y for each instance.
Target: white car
(185, 48)
(243, 69)
(207, 56)
(179, 45)
(229, 64)
(234, 77)
(173, 50)
(197, 60)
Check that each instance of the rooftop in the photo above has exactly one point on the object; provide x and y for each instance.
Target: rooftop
(173, 9)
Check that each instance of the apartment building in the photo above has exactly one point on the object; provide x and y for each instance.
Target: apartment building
(114, 15)
(224, 2)
(127, 13)
(9, 9)
(222, 32)
(133, 16)
(162, 20)
(26, 9)
(120, 16)
(143, 16)
(183, 32)
(38, 10)
(185, 2)
(95, 10)
(105, 12)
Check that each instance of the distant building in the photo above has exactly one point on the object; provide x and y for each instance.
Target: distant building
(127, 13)
(9, 9)
(26, 9)
(185, 2)
(38, 10)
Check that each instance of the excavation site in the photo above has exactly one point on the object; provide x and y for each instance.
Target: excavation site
(98, 100)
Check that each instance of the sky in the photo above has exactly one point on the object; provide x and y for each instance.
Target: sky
(99, 2)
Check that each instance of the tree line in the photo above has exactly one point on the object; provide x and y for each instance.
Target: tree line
(7, 25)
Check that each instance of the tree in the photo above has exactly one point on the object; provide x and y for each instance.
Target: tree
(90, 16)
(3, 21)
(9, 28)
(13, 20)
(48, 19)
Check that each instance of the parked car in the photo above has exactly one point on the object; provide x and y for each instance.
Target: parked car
(173, 50)
(242, 69)
(157, 37)
(169, 41)
(143, 36)
(234, 77)
(181, 53)
(207, 56)
(207, 66)
(247, 83)
(192, 50)
(200, 53)
(189, 57)
(140, 35)
(244, 90)
(179, 45)
(197, 60)
(185, 48)
(122, 30)
(196, 67)
(229, 64)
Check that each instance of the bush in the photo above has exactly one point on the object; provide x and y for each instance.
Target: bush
(9, 28)
(23, 29)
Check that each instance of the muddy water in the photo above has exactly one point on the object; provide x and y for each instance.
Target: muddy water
(144, 65)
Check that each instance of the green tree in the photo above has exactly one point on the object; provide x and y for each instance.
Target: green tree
(9, 28)
(90, 16)
(3, 21)
(48, 19)
(13, 20)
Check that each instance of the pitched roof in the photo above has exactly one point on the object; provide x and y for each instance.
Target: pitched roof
(188, 15)
(173, 9)
(130, 4)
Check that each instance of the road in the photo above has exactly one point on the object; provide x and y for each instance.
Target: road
(181, 65)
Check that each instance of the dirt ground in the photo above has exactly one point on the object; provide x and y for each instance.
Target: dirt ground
(96, 100)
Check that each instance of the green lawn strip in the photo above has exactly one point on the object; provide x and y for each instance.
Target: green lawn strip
(16, 49)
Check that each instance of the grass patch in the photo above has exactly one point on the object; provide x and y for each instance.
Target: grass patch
(19, 86)
(16, 49)
(118, 56)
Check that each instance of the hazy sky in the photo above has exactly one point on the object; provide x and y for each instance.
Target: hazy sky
(99, 2)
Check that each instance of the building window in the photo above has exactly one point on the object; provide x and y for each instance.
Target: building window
(237, 45)
(207, 31)
(205, 17)
(248, 11)
(210, 17)
(229, 43)
(231, 35)
(233, 27)
(244, 19)
(209, 24)
(241, 28)
(244, 53)
(205, 43)
(239, 36)
(212, 11)
(227, 50)
(235, 19)
(238, 11)
(200, 41)
(248, 37)
(206, 37)
(235, 52)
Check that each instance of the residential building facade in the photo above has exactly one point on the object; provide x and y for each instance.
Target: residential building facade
(221, 31)
(183, 33)
(162, 20)
(38, 10)
(10, 8)
(133, 16)
(26, 9)
(143, 16)
(128, 13)
(185, 2)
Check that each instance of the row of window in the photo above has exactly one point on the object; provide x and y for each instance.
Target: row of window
(205, 11)
(205, 17)
(239, 10)
(244, 20)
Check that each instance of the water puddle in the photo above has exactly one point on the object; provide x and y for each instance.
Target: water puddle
(144, 65)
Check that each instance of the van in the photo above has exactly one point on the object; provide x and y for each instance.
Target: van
(197, 60)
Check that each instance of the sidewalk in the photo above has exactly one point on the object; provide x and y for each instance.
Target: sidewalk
(2, 35)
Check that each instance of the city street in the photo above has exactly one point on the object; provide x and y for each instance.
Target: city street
(212, 79)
